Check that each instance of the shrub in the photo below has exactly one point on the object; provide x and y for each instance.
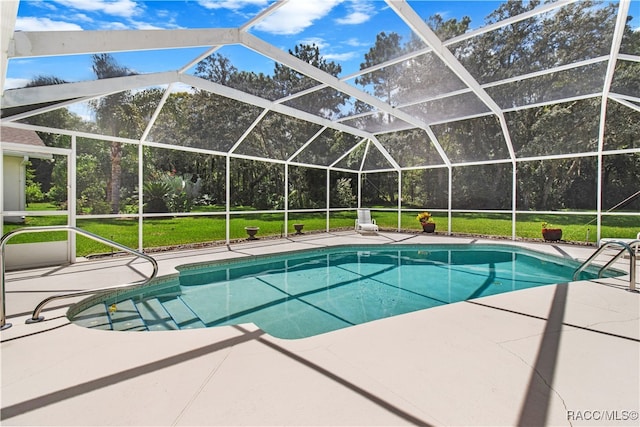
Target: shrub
(155, 194)
(344, 193)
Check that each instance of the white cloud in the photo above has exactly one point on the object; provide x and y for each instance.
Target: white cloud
(295, 16)
(114, 25)
(355, 42)
(139, 25)
(353, 19)
(340, 56)
(322, 44)
(125, 8)
(231, 4)
(315, 40)
(181, 87)
(83, 111)
(359, 12)
(13, 83)
(49, 5)
(444, 14)
(82, 17)
(129, 24)
(30, 23)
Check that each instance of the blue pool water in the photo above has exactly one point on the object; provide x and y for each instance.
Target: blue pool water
(297, 295)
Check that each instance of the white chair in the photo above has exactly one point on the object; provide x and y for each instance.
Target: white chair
(364, 222)
(614, 239)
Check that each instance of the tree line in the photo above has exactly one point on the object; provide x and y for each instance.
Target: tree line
(178, 181)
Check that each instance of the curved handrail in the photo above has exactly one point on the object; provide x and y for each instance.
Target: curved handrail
(35, 317)
(625, 247)
(634, 245)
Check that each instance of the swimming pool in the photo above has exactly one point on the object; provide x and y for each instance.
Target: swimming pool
(305, 293)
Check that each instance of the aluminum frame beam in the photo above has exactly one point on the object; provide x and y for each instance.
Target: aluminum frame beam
(618, 32)
(238, 95)
(8, 15)
(26, 44)
(309, 70)
(413, 20)
(93, 88)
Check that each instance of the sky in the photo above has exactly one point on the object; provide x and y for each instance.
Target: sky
(344, 30)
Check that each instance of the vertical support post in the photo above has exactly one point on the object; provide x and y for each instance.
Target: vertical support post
(140, 196)
(227, 189)
(616, 42)
(399, 200)
(328, 201)
(600, 184)
(1, 191)
(72, 197)
(286, 199)
(359, 189)
(632, 271)
(3, 317)
(514, 195)
(450, 201)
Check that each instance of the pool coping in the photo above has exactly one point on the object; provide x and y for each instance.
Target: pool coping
(506, 359)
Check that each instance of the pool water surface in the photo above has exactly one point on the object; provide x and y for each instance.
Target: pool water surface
(301, 294)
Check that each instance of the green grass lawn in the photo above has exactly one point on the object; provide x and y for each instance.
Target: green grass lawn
(171, 231)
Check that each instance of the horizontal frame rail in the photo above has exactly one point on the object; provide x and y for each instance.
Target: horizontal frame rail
(36, 312)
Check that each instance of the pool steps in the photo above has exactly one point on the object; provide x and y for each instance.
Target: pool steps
(153, 314)
(95, 317)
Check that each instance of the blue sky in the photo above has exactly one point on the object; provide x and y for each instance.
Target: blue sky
(343, 29)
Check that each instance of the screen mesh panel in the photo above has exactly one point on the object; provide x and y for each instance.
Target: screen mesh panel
(573, 33)
(203, 120)
(438, 93)
(555, 129)
(575, 82)
(482, 186)
(411, 148)
(472, 140)
(556, 184)
(277, 136)
(450, 108)
(425, 189)
(327, 148)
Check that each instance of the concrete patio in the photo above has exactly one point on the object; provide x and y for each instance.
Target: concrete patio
(558, 355)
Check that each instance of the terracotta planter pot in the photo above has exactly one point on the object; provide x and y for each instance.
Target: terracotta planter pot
(552, 234)
(428, 227)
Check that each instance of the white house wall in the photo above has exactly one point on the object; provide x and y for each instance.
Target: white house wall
(13, 178)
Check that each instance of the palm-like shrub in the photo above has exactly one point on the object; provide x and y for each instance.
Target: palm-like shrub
(155, 196)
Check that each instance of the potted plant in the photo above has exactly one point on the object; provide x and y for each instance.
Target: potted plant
(252, 231)
(428, 226)
(551, 234)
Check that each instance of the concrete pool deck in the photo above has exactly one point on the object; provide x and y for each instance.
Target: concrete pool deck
(553, 355)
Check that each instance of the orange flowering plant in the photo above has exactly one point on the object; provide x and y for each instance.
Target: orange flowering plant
(424, 217)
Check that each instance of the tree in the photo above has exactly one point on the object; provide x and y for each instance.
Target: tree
(117, 116)
(326, 102)
(217, 122)
(385, 81)
(33, 190)
(58, 118)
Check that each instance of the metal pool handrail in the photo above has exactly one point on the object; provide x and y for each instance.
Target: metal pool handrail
(36, 312)
(625, 247)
